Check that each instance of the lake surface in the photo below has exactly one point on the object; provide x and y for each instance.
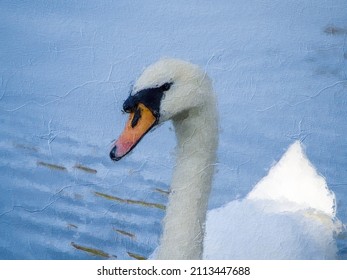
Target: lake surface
(279, 73)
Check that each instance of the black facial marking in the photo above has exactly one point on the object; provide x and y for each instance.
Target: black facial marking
(166, 86)
(136, 118)
(150, 97)
(130, 104)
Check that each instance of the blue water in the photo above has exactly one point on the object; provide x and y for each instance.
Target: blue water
(279, 72)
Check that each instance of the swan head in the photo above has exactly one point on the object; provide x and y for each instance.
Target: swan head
(165, 90)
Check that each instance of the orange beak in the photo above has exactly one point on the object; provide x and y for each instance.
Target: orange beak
(140, 121)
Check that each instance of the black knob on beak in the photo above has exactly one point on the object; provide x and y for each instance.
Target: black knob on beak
(130, 103)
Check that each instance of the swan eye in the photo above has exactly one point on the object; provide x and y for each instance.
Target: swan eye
(166, 86)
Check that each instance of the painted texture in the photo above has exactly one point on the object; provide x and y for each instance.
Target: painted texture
(279, 71)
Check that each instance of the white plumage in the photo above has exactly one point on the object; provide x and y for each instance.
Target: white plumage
(290, 214)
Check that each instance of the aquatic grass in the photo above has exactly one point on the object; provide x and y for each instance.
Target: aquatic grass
(136, 256)
(125, 233)
(93, 251)
(52, 166)
(72, 226)
(85, 169)
(164, 192)
(130, 201)
(25, 147)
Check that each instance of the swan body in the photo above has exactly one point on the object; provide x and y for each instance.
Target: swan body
(290, 214)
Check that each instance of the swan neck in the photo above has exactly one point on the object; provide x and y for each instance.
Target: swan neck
(183, 229)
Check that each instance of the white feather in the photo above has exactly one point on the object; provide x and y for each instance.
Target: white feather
(290, 213)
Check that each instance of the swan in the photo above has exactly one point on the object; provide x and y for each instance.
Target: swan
(289, 214)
